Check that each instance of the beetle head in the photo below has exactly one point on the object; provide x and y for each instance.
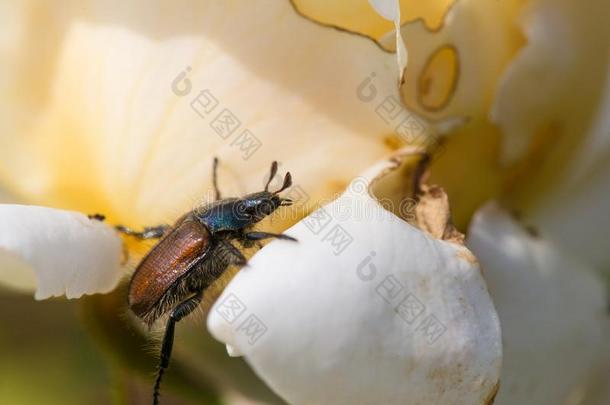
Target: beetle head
(259, 205)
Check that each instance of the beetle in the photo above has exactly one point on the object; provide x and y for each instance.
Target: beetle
(193, 253)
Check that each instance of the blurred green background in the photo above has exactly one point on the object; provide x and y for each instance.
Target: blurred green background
(46, 356)
(61, 351)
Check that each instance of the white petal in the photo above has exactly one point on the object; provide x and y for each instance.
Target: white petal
(388, 9)
(396, 317)
(57, 252)
(574, 213)
(552, 310)
(233, 352)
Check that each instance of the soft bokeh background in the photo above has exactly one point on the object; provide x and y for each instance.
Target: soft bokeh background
(47, 356)
(88, 351)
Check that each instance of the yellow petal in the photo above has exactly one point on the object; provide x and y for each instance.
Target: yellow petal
(120, 133)
(453, 71)
(359, 16)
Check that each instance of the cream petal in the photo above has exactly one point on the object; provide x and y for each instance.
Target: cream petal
(57, 252)
(119, 111)
(452, 76)
(547, 91)
(578, 221)
(574, 212)
(393, 316)
(551, 307)
(553, 110)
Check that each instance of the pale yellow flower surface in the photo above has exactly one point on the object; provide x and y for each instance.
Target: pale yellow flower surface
(119, 109)
(97, 125)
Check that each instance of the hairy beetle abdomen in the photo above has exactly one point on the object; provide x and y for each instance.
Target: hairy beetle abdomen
(172, 258)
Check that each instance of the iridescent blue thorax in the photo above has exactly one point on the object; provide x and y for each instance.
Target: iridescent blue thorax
(235, 214)
(221, 216)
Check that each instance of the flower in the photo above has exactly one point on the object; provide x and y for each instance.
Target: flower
(119, 110)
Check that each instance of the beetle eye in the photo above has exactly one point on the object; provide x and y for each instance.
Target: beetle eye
(266, 207)
(242, 211)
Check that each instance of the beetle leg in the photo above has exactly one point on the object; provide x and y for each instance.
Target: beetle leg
(149, 232)
(246, 243)
(241, 259)
(182, 310)
(215, 178)
(266, 235)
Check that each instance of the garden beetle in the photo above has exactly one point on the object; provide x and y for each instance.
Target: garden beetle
(193, 253)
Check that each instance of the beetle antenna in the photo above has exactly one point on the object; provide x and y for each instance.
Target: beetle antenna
(271, 175)
(215, 178)
(287, 183)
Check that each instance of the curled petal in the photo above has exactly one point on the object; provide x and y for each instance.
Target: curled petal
(57, 252)
(365, 307)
